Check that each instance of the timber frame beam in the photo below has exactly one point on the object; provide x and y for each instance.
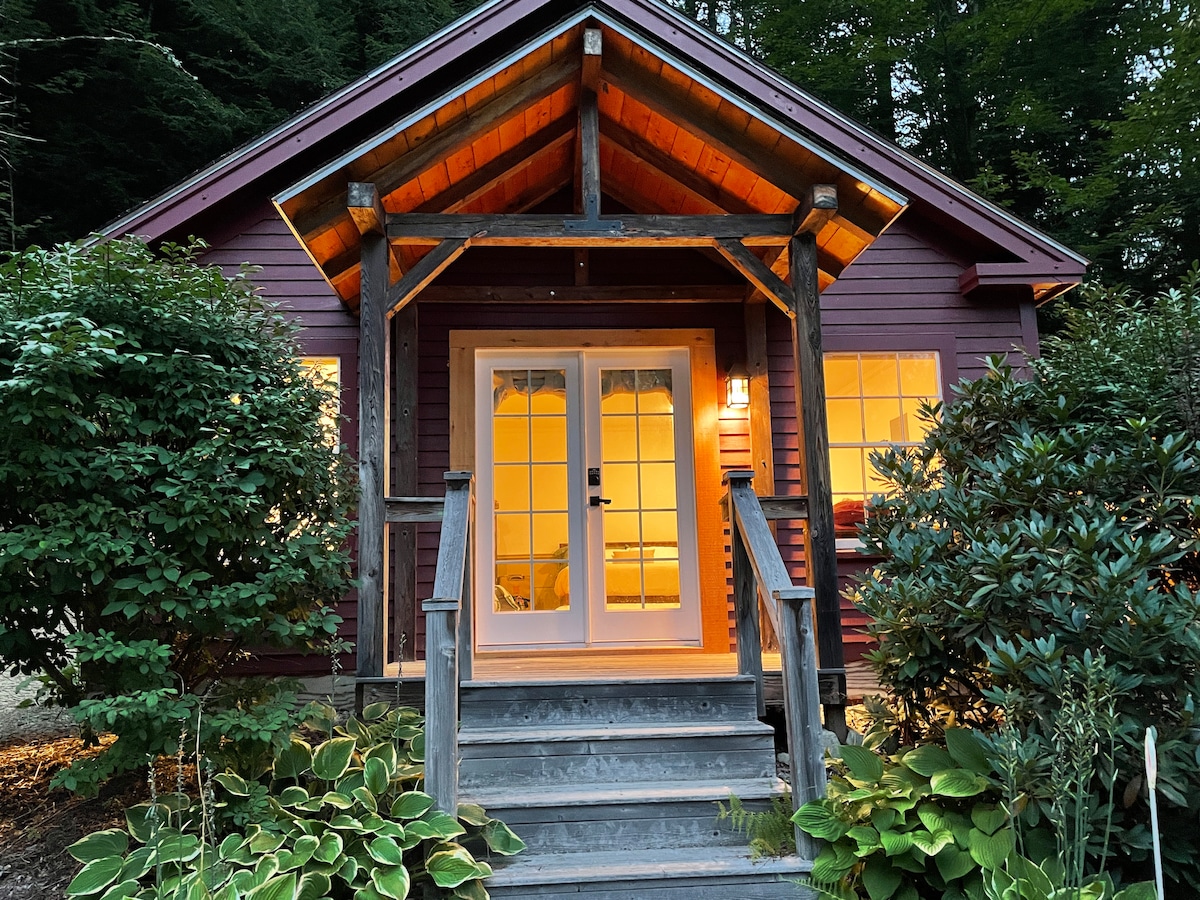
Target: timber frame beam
(534, 230)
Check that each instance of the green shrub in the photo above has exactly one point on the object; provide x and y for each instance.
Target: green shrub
(169, 494)
(925, 822)
(1047, 517)
(343, 819)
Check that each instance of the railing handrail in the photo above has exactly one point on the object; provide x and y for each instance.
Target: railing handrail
(447, 636)
(790, 609)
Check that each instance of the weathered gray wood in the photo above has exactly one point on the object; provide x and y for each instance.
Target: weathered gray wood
(801, 708)
(599, 293)
(466, 623)
(702, 701)
(545, 230)
(755, 270)
(608, 764)
(441, 645)
(366, 209)
(593, 49)
(769, 570)
(816, 208)
(403, 537)
(372, 429)
(427, 268)
(783, 507)
(820, 552)
(717, 872)
(589, 156)
(441, 706)
(313, 222)
(745, 602)
(414, 509)
(452, 547)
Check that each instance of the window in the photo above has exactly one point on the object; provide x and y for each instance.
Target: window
(873, 400)
(326, 372)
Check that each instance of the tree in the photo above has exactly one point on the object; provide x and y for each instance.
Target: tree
(171, 490)
(108, 119)
(1049, 524)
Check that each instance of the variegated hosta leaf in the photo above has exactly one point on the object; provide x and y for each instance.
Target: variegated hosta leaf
(95, 876)
(386, 851)
(99, 844)
(332, 758)
(377, 775)
(391, 881)
(294, 760)
(501, 839)
(280, 887)
(471, 813)
(329, 848)
(375, 711)
(452, 866)
(411, 804)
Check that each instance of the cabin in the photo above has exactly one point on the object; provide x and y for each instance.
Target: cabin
(617, 315)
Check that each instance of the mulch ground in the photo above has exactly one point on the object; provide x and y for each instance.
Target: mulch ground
(37, 824)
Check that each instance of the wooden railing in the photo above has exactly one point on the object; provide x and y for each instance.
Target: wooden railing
(448, 642)
(759, 574)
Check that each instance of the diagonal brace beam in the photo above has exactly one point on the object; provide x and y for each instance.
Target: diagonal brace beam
(428, 267)
(756, 271)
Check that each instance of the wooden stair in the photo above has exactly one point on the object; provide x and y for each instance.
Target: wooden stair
(613, 785)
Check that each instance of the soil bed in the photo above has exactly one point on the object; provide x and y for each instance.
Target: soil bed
(37, 824)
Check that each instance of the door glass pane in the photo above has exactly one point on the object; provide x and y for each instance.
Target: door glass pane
(529, 477)
(641, 526)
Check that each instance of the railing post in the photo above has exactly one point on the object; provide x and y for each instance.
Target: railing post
(441, 702)
(745, 596)
(801, 701)
(442, 656)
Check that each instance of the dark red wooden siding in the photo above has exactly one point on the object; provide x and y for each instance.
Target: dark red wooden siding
(290, 279)
(903, 291)
(433, 426)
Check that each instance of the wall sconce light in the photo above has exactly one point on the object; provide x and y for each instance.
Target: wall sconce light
(737, 387)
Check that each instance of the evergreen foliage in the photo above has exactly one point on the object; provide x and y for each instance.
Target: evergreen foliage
(171, 493)
(101, 125)
(1049, 523)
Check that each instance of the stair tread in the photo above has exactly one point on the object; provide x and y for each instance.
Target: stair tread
(626, 792)
(518, 734)
(585, 680)
(618, 866)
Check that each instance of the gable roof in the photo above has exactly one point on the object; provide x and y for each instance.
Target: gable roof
(482, 117)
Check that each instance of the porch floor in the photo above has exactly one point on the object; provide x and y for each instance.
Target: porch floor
(637, 666)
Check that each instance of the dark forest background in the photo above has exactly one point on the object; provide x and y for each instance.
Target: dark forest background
(1080, 116)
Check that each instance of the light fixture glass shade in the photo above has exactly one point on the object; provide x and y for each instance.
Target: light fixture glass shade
(737, 388)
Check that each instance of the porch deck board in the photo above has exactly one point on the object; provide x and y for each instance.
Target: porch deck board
(641, 666)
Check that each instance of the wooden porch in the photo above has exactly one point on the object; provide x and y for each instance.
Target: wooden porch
(639, 666)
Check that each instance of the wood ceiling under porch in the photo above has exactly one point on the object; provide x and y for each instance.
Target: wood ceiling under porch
(584, 142)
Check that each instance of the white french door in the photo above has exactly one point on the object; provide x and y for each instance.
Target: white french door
(586, 488)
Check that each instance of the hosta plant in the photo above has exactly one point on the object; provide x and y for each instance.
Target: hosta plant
(1021, 879)
(343, 819)
(922, 823)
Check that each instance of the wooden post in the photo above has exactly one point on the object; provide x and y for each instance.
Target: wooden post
(442, 616)
(801, 703)
(403, 595)
(441, 703)
(820, 547)
(745, 596)
(364, 205)
(589, 156)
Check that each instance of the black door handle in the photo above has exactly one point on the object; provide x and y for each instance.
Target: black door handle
(596, 501)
